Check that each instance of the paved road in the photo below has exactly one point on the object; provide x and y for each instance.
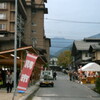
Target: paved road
(65, 90)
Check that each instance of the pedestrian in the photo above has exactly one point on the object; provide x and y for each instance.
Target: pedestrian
(70, 76)
(9, 81)
(54, 75)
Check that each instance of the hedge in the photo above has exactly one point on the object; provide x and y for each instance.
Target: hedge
(97, 84)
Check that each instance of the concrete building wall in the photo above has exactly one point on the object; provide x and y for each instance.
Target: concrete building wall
(47, 47)
(28, 37)
(7, 45)
(85, 55)
(38, 28)
(39, 1)
(97, 55)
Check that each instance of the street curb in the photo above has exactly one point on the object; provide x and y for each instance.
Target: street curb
(29, 95)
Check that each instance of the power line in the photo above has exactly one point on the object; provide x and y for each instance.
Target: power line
(60, 42)
(55, 46)
(54, 41)
(72, 21)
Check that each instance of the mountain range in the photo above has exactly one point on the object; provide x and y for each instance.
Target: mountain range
(95, 36)
(58, 45)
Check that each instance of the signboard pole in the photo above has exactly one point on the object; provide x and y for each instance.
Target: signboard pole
(15, 48)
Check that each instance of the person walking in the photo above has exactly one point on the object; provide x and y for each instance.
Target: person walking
(70, 76)
(54, 75)
(9, 81)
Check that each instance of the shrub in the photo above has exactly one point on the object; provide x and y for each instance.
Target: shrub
(98, 84)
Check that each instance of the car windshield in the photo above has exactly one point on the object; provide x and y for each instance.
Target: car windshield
(47, 77)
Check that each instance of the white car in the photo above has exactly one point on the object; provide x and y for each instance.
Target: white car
(46, 78)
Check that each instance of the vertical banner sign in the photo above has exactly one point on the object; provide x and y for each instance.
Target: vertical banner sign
(26, 71)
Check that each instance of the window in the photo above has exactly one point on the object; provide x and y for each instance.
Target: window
(34, 12)
(86, 54)
(1, 35)
(3, 5)
(33, 31)
(33, 24)
(2, 16)
(34, 40)
(2, 26)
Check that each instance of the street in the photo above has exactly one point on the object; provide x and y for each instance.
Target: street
(65, 90)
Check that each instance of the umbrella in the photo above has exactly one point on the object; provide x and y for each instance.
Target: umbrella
(91, 67)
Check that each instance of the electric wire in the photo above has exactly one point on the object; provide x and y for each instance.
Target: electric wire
(72, 21)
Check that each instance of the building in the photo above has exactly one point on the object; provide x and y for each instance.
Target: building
(80, 51)
(53, 61)
(34, 27)
(30, 33)
(30, 25)
(95, 53)
(7, 23)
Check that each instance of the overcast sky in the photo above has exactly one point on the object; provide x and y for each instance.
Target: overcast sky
(69, 18)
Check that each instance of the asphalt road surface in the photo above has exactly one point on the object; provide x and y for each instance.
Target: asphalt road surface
(65, 90)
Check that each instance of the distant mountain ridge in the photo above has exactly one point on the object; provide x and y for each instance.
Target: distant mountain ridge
(64, 49)
(58, 44)
(95, 36)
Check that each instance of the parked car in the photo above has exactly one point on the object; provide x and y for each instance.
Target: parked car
(46, 78)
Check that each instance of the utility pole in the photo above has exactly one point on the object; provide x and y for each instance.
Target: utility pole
(15, 48)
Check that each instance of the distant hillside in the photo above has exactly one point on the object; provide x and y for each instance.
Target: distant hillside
(58, 44)
(51, 56)
(64, 49)
(95, 36)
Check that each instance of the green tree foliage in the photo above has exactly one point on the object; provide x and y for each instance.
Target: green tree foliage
(64, 58)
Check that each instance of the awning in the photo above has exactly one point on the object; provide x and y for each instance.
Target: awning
(7, 57)
(91, 67)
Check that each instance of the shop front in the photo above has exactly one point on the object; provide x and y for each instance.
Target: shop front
(7, 63)
(89, 72)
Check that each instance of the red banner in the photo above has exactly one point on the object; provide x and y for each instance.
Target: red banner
(26, 72)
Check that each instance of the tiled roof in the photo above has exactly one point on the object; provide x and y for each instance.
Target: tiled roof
(96, 46)
(83, 45)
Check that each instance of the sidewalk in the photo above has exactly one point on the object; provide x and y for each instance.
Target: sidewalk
(19, 96)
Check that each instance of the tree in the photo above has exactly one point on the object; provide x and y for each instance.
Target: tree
(65, 58)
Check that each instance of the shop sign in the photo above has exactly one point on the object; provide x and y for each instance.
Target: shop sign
(26, 71)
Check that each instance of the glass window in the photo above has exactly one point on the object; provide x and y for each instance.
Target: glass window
(33, 24)
(34, 12)
(2, 16)
(33, 31)
(86, 54)
(34, 40)
(3, 5)
(2, 26)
